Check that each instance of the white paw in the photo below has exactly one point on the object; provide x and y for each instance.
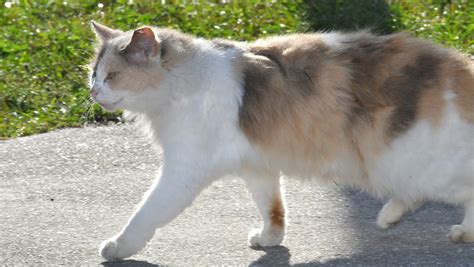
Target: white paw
(260, 238)
(459, 233)
(389, 215)
(385, 222)
(115, 249)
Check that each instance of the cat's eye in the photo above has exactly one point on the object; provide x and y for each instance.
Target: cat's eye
(111, 76)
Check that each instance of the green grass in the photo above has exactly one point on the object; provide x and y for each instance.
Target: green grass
(45, 45)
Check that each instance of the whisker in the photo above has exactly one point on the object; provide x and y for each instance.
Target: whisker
(85, 101)
(88, 104)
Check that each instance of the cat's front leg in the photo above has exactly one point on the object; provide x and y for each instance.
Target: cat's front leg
(266, 192)
(175, 190)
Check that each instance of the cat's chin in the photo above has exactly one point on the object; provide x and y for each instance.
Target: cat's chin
(111, 106)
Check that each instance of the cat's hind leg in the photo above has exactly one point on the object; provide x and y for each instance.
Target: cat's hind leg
(464, 232)
(392, 212)
(266, 192)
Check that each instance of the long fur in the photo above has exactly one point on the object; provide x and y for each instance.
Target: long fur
(392, 115)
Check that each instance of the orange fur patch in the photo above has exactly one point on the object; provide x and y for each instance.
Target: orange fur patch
(277, 214)
(284, 100)
(464, 88)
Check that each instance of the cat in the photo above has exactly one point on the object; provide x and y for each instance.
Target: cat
(392, 115)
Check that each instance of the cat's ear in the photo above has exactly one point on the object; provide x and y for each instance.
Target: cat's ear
(143, 45)
(103, 32)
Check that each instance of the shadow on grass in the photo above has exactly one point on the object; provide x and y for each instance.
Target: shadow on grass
(348, 15)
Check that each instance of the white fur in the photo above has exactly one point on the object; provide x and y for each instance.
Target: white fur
(264, 188)
(193, 115)
(428, 162)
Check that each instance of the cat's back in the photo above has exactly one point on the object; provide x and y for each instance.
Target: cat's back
(410, 76)
(359, 74)
(323, 97)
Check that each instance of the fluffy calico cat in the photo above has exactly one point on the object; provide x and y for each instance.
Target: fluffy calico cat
(392, 115)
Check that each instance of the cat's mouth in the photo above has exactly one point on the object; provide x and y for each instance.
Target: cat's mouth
(110, 106)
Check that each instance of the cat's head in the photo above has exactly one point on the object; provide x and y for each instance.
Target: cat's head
(127, 70)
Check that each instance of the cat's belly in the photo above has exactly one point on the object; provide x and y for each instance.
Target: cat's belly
(428, 162)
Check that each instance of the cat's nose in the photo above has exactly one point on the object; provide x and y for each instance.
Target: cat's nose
(94, 92)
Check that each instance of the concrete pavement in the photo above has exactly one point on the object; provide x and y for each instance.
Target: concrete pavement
(62, 193)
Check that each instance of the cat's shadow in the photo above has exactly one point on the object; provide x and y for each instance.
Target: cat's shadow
(404, 244)
(278, 255)
(125, 263)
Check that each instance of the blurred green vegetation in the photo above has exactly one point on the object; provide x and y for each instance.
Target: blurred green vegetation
(45, 45)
